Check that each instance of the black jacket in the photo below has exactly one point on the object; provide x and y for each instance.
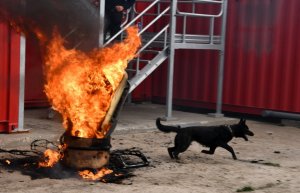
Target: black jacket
(110, 4)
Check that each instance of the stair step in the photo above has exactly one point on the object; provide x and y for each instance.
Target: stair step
(187, 38)
(148, 69)
(140, 60)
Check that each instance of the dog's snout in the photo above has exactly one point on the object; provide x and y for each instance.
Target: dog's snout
(250, 133)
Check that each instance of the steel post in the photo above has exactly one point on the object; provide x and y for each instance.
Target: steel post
(221, 63)
(22, 84)
(171, 60)
(102, 23)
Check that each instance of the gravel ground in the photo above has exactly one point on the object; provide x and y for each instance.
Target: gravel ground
(268, 162)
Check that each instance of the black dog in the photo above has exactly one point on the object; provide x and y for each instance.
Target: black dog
(209, 136)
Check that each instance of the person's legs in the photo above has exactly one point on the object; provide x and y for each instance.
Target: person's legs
(106, 26)
(115, 21)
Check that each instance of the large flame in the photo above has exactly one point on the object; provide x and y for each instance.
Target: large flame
(81, 85)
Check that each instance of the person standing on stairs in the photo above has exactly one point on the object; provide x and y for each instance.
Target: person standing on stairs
(114, 13)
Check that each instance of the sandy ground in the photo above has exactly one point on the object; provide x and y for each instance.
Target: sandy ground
(268, 162)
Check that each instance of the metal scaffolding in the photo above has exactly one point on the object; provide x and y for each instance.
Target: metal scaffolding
(163, 43)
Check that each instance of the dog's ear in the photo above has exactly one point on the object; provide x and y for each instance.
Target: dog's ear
(242, 121)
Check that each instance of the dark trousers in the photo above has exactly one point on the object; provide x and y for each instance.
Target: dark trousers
(113, 23)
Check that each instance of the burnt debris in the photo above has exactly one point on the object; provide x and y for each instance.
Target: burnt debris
(122, 162)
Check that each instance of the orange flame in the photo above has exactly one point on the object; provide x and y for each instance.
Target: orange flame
(81, 85)
(8, 162)
(51, 157)
(86, 174)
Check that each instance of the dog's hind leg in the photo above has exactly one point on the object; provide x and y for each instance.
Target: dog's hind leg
(182, 143)
(230, 149)
(171, 150)
(210, 151)
(179, 150)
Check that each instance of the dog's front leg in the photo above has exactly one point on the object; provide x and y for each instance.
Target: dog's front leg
(210, 151)
(230, 149)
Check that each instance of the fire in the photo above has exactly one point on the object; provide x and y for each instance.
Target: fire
(87, 174)
(51, 157)
(81, 85)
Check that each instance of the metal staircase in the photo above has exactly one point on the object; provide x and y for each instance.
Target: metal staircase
(162, 34)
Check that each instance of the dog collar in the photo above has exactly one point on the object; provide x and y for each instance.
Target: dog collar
(230, 129)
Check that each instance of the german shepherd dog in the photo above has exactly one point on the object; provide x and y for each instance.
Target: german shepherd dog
(209, 136)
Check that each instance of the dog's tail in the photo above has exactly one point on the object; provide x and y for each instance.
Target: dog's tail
(165, 128)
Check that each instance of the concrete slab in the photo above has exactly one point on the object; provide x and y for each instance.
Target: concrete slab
(143, 116)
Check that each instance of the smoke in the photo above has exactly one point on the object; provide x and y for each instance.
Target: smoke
(76, 20)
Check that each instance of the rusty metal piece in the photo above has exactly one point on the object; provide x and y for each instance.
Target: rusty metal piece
(85, 159)
(85, 143)
(83, 153)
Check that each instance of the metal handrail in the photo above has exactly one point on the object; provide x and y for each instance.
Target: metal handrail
(127, 18)
(182, 13)
(154, 38)
(158, 7)
(154, 20)
(206, 1)
(131, 22)
(162, 12)
(165, 29)
(179, 13)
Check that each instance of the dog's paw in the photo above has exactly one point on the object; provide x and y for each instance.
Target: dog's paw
(170, 154)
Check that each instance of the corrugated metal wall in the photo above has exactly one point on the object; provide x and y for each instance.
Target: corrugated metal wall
(34, 79)
(9, 78)
(263, 56)
(262, 62)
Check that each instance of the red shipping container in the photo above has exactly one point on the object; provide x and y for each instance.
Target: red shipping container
(261, 63)
(9, 78)
(34, 78)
